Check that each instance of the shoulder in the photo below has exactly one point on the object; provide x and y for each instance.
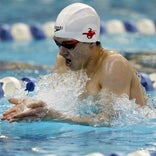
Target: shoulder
(113, 55)
(116, 68)
(116, 73)
(114, 60)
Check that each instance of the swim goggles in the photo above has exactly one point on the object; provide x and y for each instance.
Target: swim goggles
(67, 44)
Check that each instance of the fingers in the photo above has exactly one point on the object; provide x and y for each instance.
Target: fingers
(13, 109)
(8, 112)
(38, 112)
(28, 102)
(35, 104)
(18, 108)
(26, 119)
(18, 117)
(15, 100)
(7, 117)
(29, 115)
(25, 109)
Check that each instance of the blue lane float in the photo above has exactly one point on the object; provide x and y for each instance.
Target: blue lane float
(102, 28)
(153, 153)
(130, 27)
(30, 83)
(5, 33)
(146, 82)
(22, 31)
(1, 90)
(37, 31)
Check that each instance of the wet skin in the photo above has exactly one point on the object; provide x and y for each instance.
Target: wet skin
(106, 70)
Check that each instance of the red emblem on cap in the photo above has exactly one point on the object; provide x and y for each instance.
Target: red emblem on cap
(90, 33)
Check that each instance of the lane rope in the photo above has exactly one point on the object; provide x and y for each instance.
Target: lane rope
(22, 31)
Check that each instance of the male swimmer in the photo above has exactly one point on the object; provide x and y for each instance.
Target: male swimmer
(77, 31)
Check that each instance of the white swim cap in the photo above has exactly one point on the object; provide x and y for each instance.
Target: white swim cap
(78, 21)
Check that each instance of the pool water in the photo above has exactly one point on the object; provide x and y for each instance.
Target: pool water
(44, 138)
(47, 10)
(43, 52)
(133, 133)
(130, 133)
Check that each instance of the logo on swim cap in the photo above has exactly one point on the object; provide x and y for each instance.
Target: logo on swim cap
(58, 28)
(90, 33)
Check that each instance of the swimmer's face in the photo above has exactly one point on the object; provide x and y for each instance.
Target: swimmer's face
(73, 51)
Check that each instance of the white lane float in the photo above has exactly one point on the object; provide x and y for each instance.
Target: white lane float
(48, 28)
(9, 85)
(153, 78)
(146, 26)
(115, 26)
(22, 31)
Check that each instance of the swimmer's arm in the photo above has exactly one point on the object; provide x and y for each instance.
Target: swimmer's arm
(59, 117)
(32, 110)
(83, 120)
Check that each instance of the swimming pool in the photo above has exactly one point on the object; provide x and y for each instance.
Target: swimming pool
(46, 138)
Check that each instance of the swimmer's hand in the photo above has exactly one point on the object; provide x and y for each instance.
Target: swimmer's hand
(25, 109)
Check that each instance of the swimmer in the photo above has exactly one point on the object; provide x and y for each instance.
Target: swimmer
(77, 31)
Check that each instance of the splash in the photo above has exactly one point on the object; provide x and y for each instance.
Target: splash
(122, 111)
(127, 112)
(62, 92)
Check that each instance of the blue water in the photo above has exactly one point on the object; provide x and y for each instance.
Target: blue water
(47, 10)
(63, 139)
(43, 138)
(44, 51)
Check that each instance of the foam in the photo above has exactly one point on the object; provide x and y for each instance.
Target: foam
(62, 92)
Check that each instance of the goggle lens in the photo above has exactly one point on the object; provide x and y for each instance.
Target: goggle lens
(67, 44)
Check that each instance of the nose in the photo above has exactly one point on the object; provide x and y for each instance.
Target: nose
(63, 51)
